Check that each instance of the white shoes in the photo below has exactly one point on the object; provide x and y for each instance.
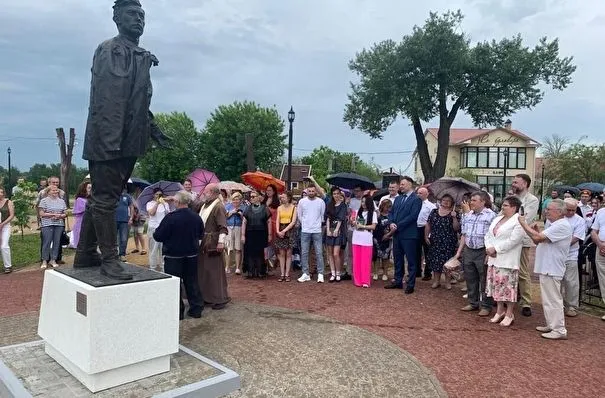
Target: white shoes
(375, 277)
(44, 265)
(385, 277)
(54, 264)
(305, 278)
(554, 336)
(320, 278)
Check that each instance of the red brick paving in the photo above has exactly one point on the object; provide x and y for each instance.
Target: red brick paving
(468, 355)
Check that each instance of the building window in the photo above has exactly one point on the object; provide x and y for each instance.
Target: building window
(293, 185)
(492, 158)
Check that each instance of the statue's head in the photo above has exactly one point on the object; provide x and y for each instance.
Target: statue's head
(129, 17)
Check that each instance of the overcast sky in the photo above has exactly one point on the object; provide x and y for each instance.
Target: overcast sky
(274, 52)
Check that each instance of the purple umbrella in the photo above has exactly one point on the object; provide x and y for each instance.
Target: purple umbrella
(169, 188)
(200, 178)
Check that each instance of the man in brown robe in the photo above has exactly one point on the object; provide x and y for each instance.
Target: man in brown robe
(211, 268)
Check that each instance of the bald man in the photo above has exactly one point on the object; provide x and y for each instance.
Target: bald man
(427, 207)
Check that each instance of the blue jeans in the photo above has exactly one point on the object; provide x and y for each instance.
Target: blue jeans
(123, 229)
(305, 243)
(51, 236)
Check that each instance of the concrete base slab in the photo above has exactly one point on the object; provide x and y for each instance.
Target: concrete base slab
(26, 370)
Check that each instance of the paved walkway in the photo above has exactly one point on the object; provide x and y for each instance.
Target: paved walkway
(469, 356)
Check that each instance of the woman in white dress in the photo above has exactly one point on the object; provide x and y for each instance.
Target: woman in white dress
(503, 244)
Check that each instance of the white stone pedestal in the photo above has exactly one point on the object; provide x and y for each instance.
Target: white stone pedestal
(111, 335)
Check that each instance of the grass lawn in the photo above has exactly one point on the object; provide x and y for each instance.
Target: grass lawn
(25, 251)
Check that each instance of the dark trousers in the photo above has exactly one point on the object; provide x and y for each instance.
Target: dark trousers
(475, 273)
(422, 248)
(405, 248)
(108, 180)
(186, 269)
(123, 229)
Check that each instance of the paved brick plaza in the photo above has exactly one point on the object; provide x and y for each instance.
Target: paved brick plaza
(468, 356)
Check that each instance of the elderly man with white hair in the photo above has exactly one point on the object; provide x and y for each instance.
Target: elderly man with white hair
(570, 285)
(551, 254)
(180, 232)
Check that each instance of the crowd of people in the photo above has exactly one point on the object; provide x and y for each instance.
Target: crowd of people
(359, 238)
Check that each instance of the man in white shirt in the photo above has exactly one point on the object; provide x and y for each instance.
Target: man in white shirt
(310, 212)
(530, 205)
(393, 192)
(584, 204)
(423, 216)
(354, 206)
(551, 255)
(571, 280)
(598, 237)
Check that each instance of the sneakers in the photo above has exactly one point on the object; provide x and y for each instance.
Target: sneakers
(304, 278)
(44, 265)
(554, 336)
(385, 277)
(53, 264)
(320, 278)
(543, 329)
(375, 277)
(8, 270)
(332, 278)
(123, 258)
(603, 318)
(468, 308)
(571, 313)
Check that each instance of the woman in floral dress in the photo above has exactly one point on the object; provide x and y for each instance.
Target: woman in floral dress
(441, 235)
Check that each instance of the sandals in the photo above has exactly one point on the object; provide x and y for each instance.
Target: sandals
(281, 278)
(143, 252)
(134, 251)
(287, 278)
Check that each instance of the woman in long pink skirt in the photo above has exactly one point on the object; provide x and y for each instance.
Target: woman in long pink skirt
(362, 242)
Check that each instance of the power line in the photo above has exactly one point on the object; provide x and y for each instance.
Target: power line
(360, 153)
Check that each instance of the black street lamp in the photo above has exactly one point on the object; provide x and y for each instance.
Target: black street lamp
(541, 190)
(291, 115)
(504, 186)
(10, 190)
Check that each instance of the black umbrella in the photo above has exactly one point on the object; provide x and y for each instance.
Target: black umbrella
(138, 182)
(593, 187)
(562, 188)
(350, 181)
(379, 194)
(455, 186)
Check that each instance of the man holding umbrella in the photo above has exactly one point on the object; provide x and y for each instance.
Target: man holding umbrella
(403, 217)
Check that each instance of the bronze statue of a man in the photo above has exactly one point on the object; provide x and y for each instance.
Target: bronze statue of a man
(117, 132)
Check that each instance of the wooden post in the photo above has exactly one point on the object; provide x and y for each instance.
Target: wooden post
(250, 152)
(66, 152)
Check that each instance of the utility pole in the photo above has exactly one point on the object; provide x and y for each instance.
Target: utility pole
(66, 152)
(250, 152)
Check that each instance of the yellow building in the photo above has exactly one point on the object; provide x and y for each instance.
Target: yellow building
(482, 152)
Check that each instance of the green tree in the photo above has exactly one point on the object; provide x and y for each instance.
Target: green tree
(321, 158)
(435, 72)
(4, 182)
(578, 163)
(24, 200)
(184, 155)
(462, 173)
(224, 138)
(40, 170)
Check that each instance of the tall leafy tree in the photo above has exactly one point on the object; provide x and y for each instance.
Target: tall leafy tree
(181, 158)
(435, 72)
(577, 163)
(224, 138)
(321, 158)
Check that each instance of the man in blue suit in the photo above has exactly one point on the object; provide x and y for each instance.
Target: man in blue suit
(403, 216)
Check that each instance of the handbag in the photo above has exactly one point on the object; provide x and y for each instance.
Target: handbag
(64, 239)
